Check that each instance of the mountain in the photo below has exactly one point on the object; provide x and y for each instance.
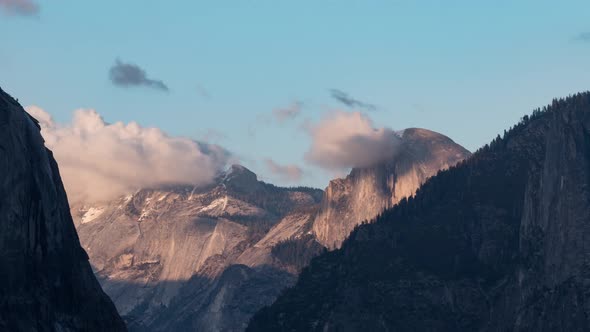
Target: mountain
(497, 243)
(366, 192)
(47, 282)
(186, 258)
(207, 258)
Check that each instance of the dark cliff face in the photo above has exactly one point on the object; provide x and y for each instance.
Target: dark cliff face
(498, 243)
(366, 192)
(46, 283)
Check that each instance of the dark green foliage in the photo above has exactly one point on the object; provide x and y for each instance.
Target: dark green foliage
(436, 261)
(297, 252)
(276, 200)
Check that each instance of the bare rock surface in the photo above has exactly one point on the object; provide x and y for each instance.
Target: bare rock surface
(366, 192)
(47, 282)
(207, 258)
(497, 243)
(186, 258)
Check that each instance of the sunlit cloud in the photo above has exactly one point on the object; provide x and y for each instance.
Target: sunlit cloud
(344, 139)
(289, 173)
(100, 161)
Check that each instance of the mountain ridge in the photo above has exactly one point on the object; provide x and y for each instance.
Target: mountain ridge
(173, 256)
(178, 257)
(365, 192)
(495, 243)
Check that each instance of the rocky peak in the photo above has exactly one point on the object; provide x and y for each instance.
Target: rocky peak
(365, 192)
(167, 256)
(498, 243)
(239, 177)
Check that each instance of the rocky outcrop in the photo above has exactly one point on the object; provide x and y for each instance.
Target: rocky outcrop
(185, 258)
(366, 192)
(206, 258)
(46, 281)
(225, 303)
(498, 243)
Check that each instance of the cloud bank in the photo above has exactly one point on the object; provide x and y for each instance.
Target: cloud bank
(130, 75)
(343, 140)
(289, 173)
(347, 100)
(100, 161)
(19, 7)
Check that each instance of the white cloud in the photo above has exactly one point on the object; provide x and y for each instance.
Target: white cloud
(99, 161)
(289, 173)
(343, 140)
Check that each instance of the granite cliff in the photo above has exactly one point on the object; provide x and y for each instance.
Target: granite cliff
(197, 258)
(207, 258)
(366, 192)
(497, 243)
(47, 282)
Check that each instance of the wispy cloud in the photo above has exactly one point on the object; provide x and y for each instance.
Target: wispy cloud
(131, 75)
(584, 37)
(201, 91)
(350, 101)
(419, 107)
(287, 113)
(289, 173)
(342, 140)
(19, 7)
(213, 135)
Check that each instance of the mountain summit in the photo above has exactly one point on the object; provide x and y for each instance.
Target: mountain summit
(207, 258)
(366, 192)
(497, 243)
(46, 281)
(196, 258)
(240, 177)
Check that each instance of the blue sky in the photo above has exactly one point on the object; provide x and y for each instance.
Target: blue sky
(467, 69)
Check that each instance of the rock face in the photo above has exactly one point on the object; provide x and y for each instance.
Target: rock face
(47, 282)
(366, 192)
(185, 258)
(498, 243)
(206, 259)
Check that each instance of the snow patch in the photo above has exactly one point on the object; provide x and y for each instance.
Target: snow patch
(145, 213)
(92, 214)
(215, 204)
